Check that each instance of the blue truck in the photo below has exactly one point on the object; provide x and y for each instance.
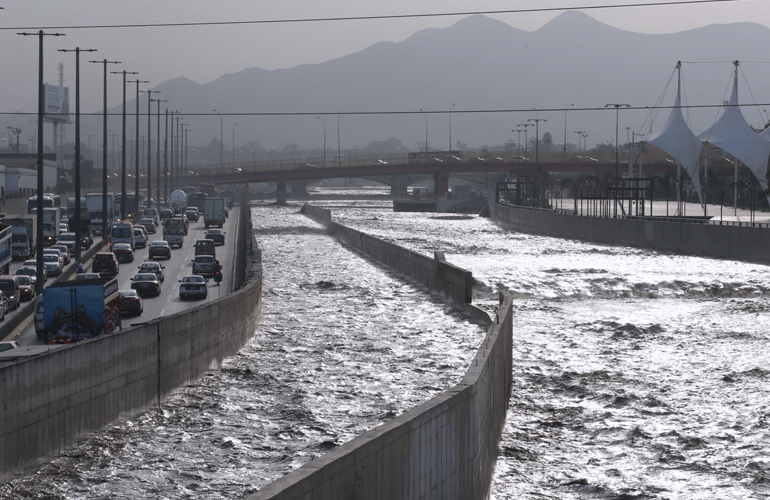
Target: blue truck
(77, 310)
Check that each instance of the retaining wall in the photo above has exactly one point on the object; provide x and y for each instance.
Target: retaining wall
(445, 448)
(53, 399)
(751, 244)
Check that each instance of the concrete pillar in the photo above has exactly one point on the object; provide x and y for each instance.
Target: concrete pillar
(281, 189)
(298, 187)
(441, 183)
(398, 186)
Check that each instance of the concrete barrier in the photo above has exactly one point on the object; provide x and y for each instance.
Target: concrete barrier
(51, 400)
(745, 243)
(445, 448)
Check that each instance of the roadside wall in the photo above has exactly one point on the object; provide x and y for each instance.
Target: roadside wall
(445, 448)
(751, 244)
(51, 400)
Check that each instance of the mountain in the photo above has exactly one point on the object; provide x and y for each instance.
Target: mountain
(478, 64)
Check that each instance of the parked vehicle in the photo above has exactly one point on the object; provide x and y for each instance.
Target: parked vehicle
(9, 285)
(123, 252)
(76, 310)
(146, 284)
(215, 235)
(214, 212)
(130, 302)
(105, 263)
(193, 286)
(160, 248)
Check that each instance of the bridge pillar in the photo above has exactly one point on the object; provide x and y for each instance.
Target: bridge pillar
(441, 184)
(281, 189)
(399, 186)
(298, 187)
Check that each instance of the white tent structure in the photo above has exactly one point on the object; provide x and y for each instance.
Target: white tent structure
(676, 139)
(732, 133)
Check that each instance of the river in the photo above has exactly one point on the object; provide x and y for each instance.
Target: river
(636, 374)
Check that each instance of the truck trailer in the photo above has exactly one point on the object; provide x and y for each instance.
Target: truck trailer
(50, 220)
(214, 212)
(78, 310)
(24, 232)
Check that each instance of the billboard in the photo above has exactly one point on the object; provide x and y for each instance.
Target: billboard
(57, 103)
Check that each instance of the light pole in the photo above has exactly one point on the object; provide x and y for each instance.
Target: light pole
(579, 134)
(585, 142)
(221, 150)
(518, 140)
(149, 141)
(324, 123)
(526, 143)
(426, 130)
(565, 131)
(617, 115)
(537, 137)
(123, 147)
(236, 124)
(450, 128)
(40, 170)
(78, 227)
(165, 162)
(136, 172)
(157, 157)
(339, 157)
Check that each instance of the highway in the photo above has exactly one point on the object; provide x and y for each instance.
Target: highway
(179, 265)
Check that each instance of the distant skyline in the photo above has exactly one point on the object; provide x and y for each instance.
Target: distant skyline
(203, 54)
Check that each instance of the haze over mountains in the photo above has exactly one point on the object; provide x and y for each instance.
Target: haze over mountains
(477, 64)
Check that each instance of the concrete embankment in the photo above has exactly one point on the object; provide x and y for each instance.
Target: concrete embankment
(445, 448)
(745, 243)
(51, 400)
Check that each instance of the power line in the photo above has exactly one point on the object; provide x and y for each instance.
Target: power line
(372, 18)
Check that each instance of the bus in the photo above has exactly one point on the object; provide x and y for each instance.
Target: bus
(435, 156)
(197, 200)
(49, 200)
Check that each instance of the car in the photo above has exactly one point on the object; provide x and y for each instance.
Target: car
(160, 248)
(193, 286)
(39, 316)
(174, 237)
(4, 305)
(68, 240)
(435, 160)
(146, 284)
(149, 225)
(151, 213)
(166, 213)
(33, 263)
(215, 235)
(130, 302)
(378, 162)
(192, 214)
(496, 159)
(475, 159)
(52, 264)
(204, 265)
(88, 276)
(57, 252)
(105, 263)
(30, 272)
(9, 285)
(26, 288)
(123, 252)
(152, 267)
(140, 237)
(519, 159)
(63, 227)
(206, 247)
(64, 252)
(7, 346)
(453, 159)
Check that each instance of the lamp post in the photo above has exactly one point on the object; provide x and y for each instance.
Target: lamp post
(236, 124)
(339, 157)
(450, 128)
(579, 134)
(221, 150)
(186, 148)
(526, 142)
(426, 130)
(585, 141)
(136, 172)
(518, 141)
(40, 170)
(165, 162)
(170, 170)
(565, 131)
(537, 137)
(157, 156)
(123, 147)
(149, 141)
(617, 116)
(324, 123)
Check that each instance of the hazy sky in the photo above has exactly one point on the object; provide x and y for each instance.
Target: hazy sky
(205, 53)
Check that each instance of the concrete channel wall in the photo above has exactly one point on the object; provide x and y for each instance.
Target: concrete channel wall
(51, 400)
(445, 448)
(751, 244)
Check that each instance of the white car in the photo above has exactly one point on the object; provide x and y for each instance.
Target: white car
(378, 162)
(152, 267)
(33, 264)
(140, 236)
(52, 264)
(56, 252)
(193, 286)
(203, 264)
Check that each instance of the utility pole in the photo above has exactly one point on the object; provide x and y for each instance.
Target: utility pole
(617, 116)
(137, 211)
(123, 195)
(157, 160)
(149, 141)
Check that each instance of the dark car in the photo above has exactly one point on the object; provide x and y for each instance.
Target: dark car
(216, 235)
(26, 288)
(146, 284)
(123, 252)
(68, 240)
(30, 272)
(166, 213)
(64, 252)
(10, 286)
(192, 215)
(130, 302)
(193, 286)
(105, 263)
(159, 249)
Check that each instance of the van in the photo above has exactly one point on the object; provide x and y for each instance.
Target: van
(9, 285)
(39, 317)
(122, 232)
(205, 247)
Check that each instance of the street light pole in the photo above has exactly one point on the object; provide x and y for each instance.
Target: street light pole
(165, 162)
(450, 128)
(579, 134)
(565, 131)
(157, 156)
(105, 208)
(136, 170)
(526, 142)
(426, 130)
(518, 141)
(322, 121)
(221, 150)
(537, 137)
(617, 116)
(123, 147)
(236, 124)
(149, 141)
(339, 157)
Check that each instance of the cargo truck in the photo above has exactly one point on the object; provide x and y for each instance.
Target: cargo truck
(6, 234)
(50, 220)
(24, 232)
(214, 212)
(94, 207)
(77, 310)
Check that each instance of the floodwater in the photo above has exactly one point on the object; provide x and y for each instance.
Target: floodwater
(637, 375)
